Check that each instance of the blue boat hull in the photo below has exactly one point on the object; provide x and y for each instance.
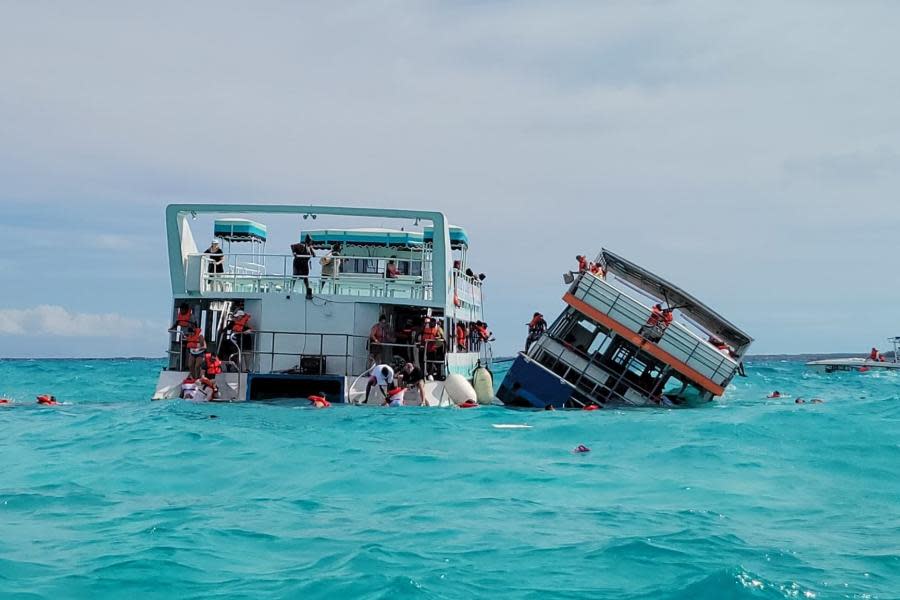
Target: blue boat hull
(529, 385)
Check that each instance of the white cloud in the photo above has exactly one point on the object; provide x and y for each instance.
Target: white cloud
(54, 320)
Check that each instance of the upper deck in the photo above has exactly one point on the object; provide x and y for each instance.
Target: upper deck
(429, 252)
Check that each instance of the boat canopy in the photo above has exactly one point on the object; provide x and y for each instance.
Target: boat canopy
(675, 297)
(458, 236)
(239, 230)
(364, 237)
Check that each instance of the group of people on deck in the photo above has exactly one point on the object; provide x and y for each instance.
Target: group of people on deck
(426, 343)
(203, 364)
(594, 268)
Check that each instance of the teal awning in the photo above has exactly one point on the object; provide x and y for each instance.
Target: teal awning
(458, 236)
(364, 237)
(239, 230)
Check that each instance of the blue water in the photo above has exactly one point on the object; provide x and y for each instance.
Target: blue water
(113, 496)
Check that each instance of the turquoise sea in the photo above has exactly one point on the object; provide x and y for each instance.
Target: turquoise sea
(113, 496)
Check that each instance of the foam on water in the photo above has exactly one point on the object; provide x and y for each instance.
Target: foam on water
(113, 495)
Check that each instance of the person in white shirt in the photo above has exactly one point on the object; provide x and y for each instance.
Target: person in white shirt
(382, 376)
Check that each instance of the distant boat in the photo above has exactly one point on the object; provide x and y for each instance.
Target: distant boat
(857, 364)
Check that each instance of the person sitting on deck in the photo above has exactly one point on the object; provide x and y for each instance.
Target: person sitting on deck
(876, 356)
(598, 270)
(536, 327)
(381, 376)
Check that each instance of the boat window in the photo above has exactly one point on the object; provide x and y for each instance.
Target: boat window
(361, 265)
(600, 344)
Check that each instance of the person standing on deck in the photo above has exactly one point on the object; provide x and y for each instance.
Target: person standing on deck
(216, 263)
(303, 252)
(378, 335)
(331, 266)
(391, 271)
(196, 345)
(536, 328)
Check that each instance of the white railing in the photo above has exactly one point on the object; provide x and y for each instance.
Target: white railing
(276, 276)
(677, 340)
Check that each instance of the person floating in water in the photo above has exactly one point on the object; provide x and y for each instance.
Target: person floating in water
(536, 328)
(47, 400)
(775, 394)
(319, 400)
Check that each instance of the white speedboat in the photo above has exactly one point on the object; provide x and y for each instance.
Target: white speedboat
(858, 364)
(295, 346)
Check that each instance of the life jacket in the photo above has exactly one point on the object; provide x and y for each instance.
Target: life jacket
(483, 333)
(429, 334)
(469, 404)
(213, 364)
(184, 318)
(460, 336)
(536, 325)
(193, 339)
(46, 399)
(582, 264)
(596, 268)
(668, 318)
(591, 407)
(655, 317)
(319, 401)
(240, 324)
(873, 355)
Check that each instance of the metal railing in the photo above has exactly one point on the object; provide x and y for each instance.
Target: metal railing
(676, 339)
(238, 279)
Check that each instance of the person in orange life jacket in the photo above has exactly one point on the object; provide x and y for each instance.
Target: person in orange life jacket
(598, 270)
(462, 337)
(582, 263)
(876, 356)
(432, 340)
(319, 400)
(196, 345)
(212, 365)
(536, 328)
(184, 317)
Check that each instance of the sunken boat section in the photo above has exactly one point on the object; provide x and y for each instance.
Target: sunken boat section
(612, 345)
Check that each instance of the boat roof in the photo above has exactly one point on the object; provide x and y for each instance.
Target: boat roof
(371, 236)
(653, 284)
(239, 230)
(458, 236)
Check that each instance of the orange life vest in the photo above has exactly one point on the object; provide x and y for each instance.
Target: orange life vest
(460, 336)
(655, 317)
(319, 401)
(484, 333)
(668, 318)
(429, 333)
(193, 339)
(184, 318)
(213, 364)
(240, 324)
(873, 355)
(582, 263)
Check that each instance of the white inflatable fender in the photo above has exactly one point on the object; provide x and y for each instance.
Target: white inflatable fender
(483, 383)
(459, 389)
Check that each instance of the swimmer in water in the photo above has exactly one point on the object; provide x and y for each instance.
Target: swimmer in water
(775, 394)
(549, 407)
(47, 400)
(799, 401)
(816, 401)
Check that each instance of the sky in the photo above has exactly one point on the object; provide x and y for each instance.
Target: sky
(748, 152)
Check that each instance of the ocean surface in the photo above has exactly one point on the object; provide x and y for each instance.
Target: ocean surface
(114, 496)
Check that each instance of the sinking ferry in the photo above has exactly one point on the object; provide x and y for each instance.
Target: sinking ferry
(292, 345)
(874, 362)
(611, 345)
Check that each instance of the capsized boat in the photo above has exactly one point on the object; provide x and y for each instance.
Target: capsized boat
(874, 362)
(293, 346)
(626, 337)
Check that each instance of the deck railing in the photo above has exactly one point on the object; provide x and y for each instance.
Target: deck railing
(676, 340)
(274, 274)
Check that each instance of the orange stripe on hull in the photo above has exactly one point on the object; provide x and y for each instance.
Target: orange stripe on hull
(645, 345)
